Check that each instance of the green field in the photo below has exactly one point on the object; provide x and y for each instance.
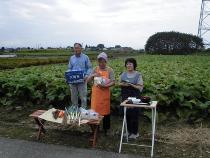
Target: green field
(26, 62)
(179, 83)
(46, 57)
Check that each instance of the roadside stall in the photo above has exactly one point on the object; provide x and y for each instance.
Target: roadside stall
(71, 116)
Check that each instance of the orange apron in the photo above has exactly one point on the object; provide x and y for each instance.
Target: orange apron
(100, 98)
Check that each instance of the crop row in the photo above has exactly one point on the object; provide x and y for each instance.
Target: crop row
(11, 63)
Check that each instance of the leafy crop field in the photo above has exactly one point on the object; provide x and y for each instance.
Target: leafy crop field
(181, 84)
(46, 57)
(11, 63)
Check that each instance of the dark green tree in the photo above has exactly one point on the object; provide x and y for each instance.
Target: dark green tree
(173, 43)
(100, 46)
(2, 49)
(117, 46)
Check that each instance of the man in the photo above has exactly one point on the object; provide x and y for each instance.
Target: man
(79, 61)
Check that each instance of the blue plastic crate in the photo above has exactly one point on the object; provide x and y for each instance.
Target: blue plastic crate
(74, 76)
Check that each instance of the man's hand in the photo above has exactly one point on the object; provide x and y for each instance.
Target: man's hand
(85, 79)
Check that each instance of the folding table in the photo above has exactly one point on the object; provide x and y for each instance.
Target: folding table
(94, 125)
(151, 106)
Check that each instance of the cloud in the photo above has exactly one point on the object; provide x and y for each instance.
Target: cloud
(62, 22)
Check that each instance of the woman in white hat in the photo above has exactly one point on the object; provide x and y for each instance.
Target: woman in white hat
(100, 98)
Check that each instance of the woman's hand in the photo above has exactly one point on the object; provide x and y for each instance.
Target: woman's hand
(135, 86)
(112, 83)
(95, 75)
(123, 84)
(89, 78)
(101, 86)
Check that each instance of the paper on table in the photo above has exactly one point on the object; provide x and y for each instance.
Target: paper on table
(48, 116)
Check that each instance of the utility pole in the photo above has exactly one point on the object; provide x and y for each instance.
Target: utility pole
(204, 22)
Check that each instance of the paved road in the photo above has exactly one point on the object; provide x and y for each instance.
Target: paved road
(12, 148)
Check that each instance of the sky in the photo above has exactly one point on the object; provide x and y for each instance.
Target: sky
(60, 23)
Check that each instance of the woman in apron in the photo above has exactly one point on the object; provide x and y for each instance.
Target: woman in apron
(103, 77)
(131, 83)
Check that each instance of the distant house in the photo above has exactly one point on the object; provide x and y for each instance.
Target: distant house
(126, 49)
(9, 50)
(117, 48)
(91, 48)
(120, 49)
(110, 48)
